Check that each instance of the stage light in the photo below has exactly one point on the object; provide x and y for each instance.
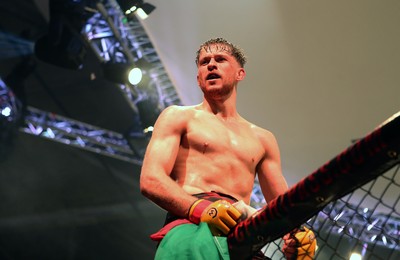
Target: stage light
(122, 73)
(10, 118)
(144, 11)
(135, 76)
(131, 7)
(148, 129)
(6, 111)
(355, 256)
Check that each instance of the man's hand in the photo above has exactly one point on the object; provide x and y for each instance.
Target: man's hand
(300, 244)
(220, 215)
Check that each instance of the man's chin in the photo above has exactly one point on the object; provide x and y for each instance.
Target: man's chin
(216, 91)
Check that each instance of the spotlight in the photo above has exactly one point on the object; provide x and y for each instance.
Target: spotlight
(10, 119)
(122, 73)
(355, 256)
(135, 76)
(130, 7)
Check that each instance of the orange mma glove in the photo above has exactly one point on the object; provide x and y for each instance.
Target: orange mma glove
(306, 244)
(220, 215)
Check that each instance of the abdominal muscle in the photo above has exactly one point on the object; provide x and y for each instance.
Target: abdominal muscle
(221, 173)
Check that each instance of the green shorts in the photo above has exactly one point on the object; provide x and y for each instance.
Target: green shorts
(192, 242)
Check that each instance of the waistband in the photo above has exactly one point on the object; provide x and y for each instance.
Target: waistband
(211, 196)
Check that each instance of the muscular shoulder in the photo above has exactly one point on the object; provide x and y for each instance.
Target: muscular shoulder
(266, 137)
(174, 117)
(177, 112)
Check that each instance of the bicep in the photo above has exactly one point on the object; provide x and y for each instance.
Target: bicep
(163, 147)
(271, 179)
(161, 153)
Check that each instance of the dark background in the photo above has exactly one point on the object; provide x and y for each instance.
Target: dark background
(58, 201)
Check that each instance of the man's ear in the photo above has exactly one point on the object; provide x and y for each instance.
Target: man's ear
(241, 74)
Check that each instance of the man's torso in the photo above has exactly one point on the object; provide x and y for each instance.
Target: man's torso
(217, 154)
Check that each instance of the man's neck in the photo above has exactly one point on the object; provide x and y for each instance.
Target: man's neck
(223, 110)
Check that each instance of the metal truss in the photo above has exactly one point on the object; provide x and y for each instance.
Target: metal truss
(10, 107)
(10, 116)
(114, 38)
(78, 134)
(61, 129)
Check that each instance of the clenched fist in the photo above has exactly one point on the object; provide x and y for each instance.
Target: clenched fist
(220, 215)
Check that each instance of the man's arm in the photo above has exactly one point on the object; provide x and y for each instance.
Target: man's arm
(269, 169)
(155, 181)
(300, 243)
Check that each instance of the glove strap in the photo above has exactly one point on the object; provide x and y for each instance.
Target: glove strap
(197, 209)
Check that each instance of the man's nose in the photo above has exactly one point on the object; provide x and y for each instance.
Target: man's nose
(212, 65)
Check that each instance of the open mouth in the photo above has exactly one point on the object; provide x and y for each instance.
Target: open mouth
(213, 76)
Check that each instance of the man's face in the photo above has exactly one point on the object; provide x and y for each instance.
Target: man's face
(218, 70)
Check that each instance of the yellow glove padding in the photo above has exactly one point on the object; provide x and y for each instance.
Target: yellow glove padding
(221, 216)
(307, 244)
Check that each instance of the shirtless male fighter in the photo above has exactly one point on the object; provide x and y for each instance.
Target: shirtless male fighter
(203, 158)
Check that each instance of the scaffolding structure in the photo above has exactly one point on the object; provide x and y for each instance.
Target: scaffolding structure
(114, 38)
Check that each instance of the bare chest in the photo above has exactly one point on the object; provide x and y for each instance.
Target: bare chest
(233, 140)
